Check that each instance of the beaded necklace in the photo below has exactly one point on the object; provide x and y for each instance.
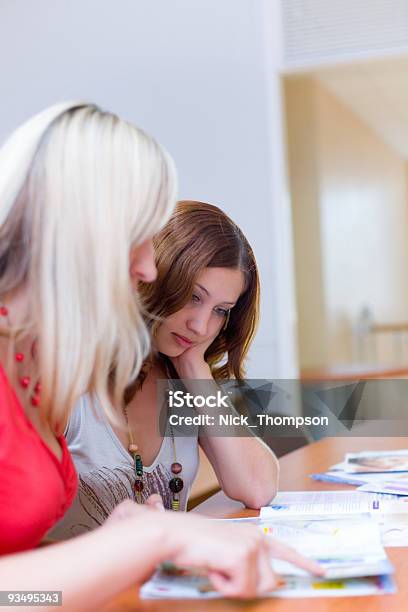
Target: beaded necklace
(25, 381)
(176, 483)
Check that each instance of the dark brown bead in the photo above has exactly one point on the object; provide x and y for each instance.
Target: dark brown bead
(139, 486)
(176, 468)
(176, 485)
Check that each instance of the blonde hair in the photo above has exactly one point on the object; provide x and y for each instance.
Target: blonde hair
(78, 188)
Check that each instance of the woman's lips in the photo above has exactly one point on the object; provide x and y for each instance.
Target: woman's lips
(182, 341)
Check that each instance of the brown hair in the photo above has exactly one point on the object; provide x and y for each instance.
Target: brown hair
(200, 236)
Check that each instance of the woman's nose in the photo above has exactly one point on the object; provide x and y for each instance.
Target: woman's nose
(147, 271)
(198, 323)
(142, 263)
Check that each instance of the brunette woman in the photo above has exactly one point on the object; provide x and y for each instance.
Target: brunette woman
(204, 305)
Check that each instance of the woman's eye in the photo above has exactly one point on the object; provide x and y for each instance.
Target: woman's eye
(223, 312)
(195, 298)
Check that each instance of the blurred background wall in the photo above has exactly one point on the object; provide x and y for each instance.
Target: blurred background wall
(199, 76)
(350, 213)
(345, 74)
(290, 115)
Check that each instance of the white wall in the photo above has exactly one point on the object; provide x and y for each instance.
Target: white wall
(195, 74)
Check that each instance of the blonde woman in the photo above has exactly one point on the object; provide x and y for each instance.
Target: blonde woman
(81, 194)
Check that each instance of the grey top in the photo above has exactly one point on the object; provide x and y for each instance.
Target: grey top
(106, 473)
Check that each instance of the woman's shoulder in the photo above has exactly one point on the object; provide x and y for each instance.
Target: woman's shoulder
(82, 409)
(87, 419)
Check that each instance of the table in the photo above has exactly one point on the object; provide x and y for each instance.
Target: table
(353, 372)
(295, 470)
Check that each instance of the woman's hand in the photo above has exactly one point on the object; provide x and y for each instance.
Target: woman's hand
(237, 558)
(128, 508)
(191, 363)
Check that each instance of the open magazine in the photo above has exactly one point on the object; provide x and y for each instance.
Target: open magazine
(388, 511)
(348, 546)
(367, 467)
(377, 462)
(184, 584)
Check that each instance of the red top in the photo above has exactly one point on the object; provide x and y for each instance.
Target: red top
(35, 487)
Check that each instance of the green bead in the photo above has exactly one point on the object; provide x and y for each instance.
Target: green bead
(138, 465)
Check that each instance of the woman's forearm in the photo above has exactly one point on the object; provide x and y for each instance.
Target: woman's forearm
(246, 468)
(92, 568)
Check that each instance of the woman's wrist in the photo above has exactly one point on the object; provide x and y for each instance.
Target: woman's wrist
(195, 371)
(166, 533)
(146, 529)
